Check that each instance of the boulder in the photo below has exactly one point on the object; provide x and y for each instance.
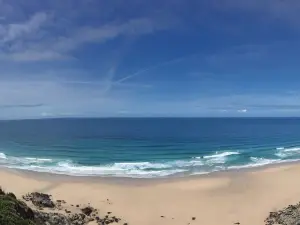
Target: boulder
(41, 200)
(87, 210)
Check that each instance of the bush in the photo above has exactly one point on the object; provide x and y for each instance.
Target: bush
(2, 192)
(12, 195)
(14, 212)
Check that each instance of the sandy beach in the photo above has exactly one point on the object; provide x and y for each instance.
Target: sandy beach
(245, 197)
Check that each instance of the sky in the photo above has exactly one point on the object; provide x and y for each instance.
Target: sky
(177, 58)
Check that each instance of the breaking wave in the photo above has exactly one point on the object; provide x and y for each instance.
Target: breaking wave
(288, 152)
(204, 164)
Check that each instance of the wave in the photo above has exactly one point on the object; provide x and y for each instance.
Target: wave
(287, 152)
(259, 162)
(2, 155)
(119, 169)
(219, 161)
(68, 168)
(221, 155)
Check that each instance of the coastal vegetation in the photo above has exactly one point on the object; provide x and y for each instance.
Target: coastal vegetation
(17, 212)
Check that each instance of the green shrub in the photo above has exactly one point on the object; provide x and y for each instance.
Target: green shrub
(12, 195)
(14, 212)
(2, 192)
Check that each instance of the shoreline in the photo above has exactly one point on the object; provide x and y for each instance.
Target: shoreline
(134, 180)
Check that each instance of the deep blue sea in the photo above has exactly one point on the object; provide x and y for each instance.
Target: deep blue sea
(147, 148)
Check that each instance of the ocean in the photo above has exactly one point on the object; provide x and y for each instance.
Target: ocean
(147, 147)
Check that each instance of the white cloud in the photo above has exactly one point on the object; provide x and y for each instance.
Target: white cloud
(242, 110)
(46, 114)
(104, 33)
(14, 31)
(29, 56)
(26, 41)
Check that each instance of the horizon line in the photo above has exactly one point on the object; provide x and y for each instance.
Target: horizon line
(157, 117)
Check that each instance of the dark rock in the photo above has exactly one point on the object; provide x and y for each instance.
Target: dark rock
(77, 206)
(87, 210)
(82, 216)
(75, 217)
(162, 216)
(41, 200)
(67, 211)
(287, 216)
(108, 212)
(193, 218)
(51, 218)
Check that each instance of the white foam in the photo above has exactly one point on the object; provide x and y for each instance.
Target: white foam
(69, 168)
(196, 165)
(222, 154)
(37, 160)
(2, 156)
(158, 165)
(200, 173)
(281, 154)
(263, 161)
(27, 160)
(124, 169)
(142, 165)
(286, 152)
(257, 162)
(294, 149)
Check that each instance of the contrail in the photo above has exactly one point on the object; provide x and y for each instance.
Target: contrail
(141, 71)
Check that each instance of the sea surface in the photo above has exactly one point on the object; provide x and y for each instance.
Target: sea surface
(147, 148)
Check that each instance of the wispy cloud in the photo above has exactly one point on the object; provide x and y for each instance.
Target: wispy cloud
(58, 46)
(21, 106)
(33, 56)
(63, 59)
(14, 31)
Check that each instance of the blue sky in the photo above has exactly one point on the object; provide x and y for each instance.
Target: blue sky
(98, 58)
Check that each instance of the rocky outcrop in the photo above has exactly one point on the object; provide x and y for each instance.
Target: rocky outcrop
(16, 212)
(87, 210)
(287, 216)
(40, 200)
(51, 218)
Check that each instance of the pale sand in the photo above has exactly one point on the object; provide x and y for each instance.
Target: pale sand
(246, 197)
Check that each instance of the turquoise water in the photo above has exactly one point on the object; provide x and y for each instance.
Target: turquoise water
(147, 148)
